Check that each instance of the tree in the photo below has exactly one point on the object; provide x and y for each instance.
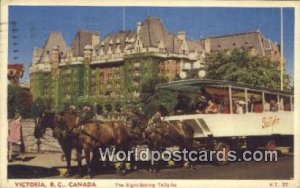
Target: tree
(153, 99)
(240, 66)
(20, 100)
(38, 107)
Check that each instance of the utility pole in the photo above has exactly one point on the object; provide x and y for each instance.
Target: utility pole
(124, 19)
(281, 48)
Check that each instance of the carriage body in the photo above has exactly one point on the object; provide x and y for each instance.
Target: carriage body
(238, 125)
(254, 127)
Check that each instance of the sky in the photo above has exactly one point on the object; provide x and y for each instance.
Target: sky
(30, 25)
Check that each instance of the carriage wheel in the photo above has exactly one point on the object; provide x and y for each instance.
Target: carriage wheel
(220, 146)
(271, 145)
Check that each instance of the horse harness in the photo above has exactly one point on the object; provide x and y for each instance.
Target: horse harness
(159, 127)
(80, 129)
(76, 130)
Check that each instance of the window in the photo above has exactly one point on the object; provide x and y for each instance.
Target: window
(234, 44)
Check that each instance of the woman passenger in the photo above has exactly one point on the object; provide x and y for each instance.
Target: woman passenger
(211, 108)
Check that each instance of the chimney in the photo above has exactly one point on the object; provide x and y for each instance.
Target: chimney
(95, 38)
(138, 27)
(181, 35)
(207, 46)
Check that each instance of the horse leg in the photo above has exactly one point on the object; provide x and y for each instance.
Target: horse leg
(186, 163)
(87, 153)
(79, 161)
(67, 152)
(123, 167)
(95, 159)
(153, 164)
(158, 163)
(190, 164)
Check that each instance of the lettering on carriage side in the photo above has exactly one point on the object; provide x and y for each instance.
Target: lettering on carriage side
(269, 121)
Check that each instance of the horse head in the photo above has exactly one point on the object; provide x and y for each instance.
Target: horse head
(63, 124)
(58, 129)
(42, 122)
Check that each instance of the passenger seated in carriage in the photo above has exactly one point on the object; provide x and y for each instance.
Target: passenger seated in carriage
(239, 107)
(273, 106)
(199, 105)
(224, 107)
(211, 108)
(182, 105)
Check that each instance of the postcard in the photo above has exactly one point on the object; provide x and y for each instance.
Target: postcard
(149, 95)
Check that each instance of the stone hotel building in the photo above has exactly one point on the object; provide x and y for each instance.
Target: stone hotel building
(110, 71)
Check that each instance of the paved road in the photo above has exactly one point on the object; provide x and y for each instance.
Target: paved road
(47, 165)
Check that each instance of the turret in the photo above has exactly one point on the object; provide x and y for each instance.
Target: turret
(181, 35)
(55, 56)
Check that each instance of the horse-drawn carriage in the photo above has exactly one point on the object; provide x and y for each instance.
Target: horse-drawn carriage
(237, 116)
(265, 119)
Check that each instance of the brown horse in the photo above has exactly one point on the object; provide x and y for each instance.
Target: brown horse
(93, 135)
(66, 140)
(161, 134)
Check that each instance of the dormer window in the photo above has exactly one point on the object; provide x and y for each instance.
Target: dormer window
(138, 49)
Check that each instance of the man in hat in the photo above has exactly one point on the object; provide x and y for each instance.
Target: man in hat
(15, 136)
(86, 115)
(200, 104)
(72, 109)
(182, 105)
